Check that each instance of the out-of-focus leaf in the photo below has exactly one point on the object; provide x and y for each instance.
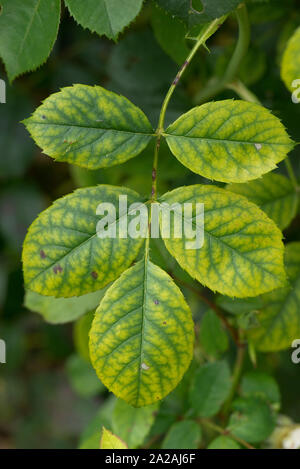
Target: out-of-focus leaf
(170, 33)
(223, 442)
(262, 385)
(111, 441)
(239, 306)
(210, 387)
(22, 25)
(105, 17)
(61, 310)
(290, 67)
(252, 420)
(212, 335)
(274, 194)
(81, 335)
(142, 72)
(279, 317)
(183, 435)
(16, 146)
(89, 439)
(202, 11)
(132, 424)
(83, 377)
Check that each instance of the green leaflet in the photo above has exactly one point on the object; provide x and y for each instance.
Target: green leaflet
(202, 11)
(259, 384)
(105, 17)
(111, 441)
(252, 420)
(242, 255)
(62, 254)
(229, 141)
(89, 126)
(22, 25)
(212, 336)
(82, 377)
(170, 33)
(279, 318)
(183, 435)
(132, 424)
(141, 340)
(89, 438)
(81, 331)
(274, 194)
(290, 66)
(223, 442)
(239, 306)
(210, 387)
(62, 310)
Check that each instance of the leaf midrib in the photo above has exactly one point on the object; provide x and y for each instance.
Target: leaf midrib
(29, 27)
(30, 122)
(75, 249)
(235, 251)
(225, 140)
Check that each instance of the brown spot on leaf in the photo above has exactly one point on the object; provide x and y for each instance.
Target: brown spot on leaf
(156, 302)
(42, 254)
(57, 268)
(94, 275)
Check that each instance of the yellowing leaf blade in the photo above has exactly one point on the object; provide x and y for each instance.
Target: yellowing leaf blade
(141, 340)
(89, 126)
(242, 255)
(229, 141)
(62, 254)
(279, 317)
(111, 441)
(274, 194)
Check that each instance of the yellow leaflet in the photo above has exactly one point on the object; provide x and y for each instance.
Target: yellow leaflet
(141, 340)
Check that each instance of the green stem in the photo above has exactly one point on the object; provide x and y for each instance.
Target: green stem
(200, 41)
(225, 432)
(238, 368)
(240, 51)
(243, 92)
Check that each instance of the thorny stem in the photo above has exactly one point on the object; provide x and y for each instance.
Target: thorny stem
(240, 51)
(200, 40)
(225, 432)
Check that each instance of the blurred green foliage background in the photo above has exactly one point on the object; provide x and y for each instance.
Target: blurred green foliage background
(48, 392)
